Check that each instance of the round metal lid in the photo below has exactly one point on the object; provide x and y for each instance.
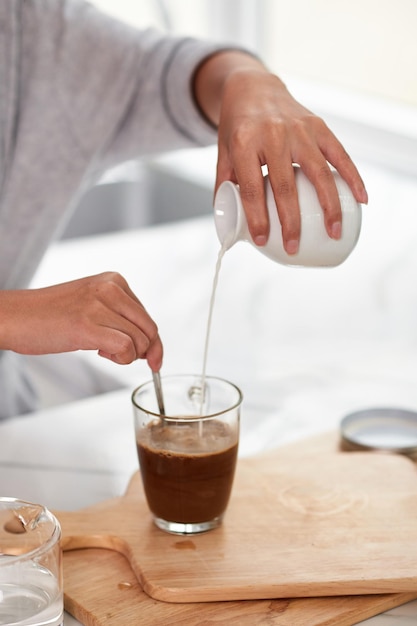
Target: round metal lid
(383, 429)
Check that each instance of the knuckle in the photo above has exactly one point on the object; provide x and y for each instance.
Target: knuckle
(111, 281)
(241, 136)
(124, 359)
(125, 345)
(112, 276)
(121, 359)
(285, 187)
(249, 190)
(258, 230)
(317, 124)
(277, 130)
(109, 285)
(301, 129)
(309, 128)
(258, 225)
(153, 331)
(299, 124)
(290, 223)
(324, 173)
(291, 231)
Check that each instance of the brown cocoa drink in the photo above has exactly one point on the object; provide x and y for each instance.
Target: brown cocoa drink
(187, 468)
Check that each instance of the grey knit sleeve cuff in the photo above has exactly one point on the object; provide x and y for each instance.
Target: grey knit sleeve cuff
(176, 89)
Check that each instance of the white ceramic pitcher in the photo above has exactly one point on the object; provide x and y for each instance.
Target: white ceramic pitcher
(316, 248)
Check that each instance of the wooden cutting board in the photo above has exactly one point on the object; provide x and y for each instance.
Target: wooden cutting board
(317, 529)
(102, 590)
(303, 521)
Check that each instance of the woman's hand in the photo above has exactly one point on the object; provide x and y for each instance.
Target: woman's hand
(260, 123)
(94, 313)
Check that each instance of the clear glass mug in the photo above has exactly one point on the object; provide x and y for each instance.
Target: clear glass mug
(187, 458)
(31, 579)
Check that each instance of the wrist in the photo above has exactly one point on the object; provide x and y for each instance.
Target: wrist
(213, 74)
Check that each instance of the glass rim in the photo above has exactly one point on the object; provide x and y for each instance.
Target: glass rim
(188, 419)
(45, 546)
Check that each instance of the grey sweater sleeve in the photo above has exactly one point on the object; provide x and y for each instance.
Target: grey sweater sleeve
(83, 92)
(79, 92)
(121, 92)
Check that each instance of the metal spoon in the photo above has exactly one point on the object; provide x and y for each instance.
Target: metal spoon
(158, 390)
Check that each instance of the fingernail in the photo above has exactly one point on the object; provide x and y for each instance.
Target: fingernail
(363, 196)
(292, 246)
(260, 240)
(336, 230)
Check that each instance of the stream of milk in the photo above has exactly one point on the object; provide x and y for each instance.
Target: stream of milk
(225, 246)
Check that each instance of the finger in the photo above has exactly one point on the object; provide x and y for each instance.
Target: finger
(154, 354)
(284, 189)
(224, 169)
(240, 162)
(134, 343)
(340, 159)
(122, 347)
(122, 302)
(319, 173)
(252, 193)
(137, 315)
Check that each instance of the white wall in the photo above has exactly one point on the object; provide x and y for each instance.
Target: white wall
(365, 45)
(182, 16)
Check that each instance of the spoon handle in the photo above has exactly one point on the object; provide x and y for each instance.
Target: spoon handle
(158, 390)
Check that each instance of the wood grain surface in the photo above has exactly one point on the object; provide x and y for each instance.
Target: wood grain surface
(305, 520)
